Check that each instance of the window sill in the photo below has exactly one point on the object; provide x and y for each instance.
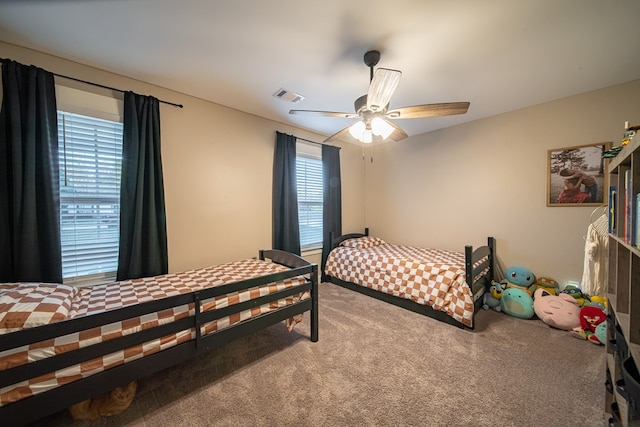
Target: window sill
(310, 252)
(94, 279)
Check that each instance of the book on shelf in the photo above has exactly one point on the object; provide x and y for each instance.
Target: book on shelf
(636, 223)
(629, 202)
(627, 209)
(612, 209)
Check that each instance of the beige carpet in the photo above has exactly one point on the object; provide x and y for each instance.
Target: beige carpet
(379, 365)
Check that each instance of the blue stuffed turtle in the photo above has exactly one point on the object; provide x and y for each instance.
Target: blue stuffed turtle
(520, 278)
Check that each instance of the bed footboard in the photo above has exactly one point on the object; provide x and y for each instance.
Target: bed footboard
(39, 405)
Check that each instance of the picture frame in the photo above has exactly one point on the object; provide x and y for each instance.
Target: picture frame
(576, 176)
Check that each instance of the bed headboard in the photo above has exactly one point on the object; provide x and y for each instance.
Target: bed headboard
(478, 260)
(335, 241)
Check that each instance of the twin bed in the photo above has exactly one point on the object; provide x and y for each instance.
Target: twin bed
(445, 285)
(60, 345)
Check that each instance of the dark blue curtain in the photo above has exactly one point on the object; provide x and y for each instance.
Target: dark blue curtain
(143, 229)
(286, 229)
(29, 178)
(332, 200)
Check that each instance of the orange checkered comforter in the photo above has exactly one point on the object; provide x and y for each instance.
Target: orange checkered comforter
(426, 276)
(100, 298)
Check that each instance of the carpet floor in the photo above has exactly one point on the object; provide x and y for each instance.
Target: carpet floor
(379, 365)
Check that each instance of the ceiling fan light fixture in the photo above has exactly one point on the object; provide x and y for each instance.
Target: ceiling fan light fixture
(367, 136)
(356, 130)
(381, 127)
(362, 132)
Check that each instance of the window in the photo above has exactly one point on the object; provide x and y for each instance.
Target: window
(90, 153)
(309, 184)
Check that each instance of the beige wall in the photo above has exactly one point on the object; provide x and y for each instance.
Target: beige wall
(442, 189)
(218, 165)
(488, 178)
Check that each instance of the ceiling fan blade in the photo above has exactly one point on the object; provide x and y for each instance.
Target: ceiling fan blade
(398, 134)
(325, 113)
(382, 87)
(339, 135)
(429, 110)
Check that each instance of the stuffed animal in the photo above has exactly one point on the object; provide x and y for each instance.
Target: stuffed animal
(590, 318)
(517, 302)
(546, 283)
(576, 293)
(492, 297)
(601, 332)
(520, 278)
(598, 301)
(561, 312)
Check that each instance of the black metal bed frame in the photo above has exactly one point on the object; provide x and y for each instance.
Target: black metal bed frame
(32, 408)
(486, 254)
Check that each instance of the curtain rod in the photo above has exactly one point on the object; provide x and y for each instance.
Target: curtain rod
(314, 142)
(110, 88)
(102, 86)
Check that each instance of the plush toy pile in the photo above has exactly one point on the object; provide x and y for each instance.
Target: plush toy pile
(523, 295)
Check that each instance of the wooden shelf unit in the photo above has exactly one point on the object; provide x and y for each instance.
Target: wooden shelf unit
(623, 279)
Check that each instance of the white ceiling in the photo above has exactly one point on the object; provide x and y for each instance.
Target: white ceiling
(500, 55)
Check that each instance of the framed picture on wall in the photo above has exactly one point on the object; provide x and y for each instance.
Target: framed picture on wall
(576, 176)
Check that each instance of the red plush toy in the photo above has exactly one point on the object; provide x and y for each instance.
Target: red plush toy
(590, 317)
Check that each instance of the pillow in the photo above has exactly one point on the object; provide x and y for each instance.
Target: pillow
(363, 242)
(33, 304)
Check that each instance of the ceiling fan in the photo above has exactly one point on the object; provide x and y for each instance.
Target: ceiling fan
(373, 108)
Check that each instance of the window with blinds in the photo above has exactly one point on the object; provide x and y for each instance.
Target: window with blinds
(309, 184)
(90, 164)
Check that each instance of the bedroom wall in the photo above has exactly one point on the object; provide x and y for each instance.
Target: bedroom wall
(217, 164)
(446, 188)
(488, 178)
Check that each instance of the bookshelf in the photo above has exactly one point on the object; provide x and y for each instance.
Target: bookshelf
(623, 280)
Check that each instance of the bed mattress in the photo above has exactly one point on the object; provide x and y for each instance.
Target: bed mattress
(431, 277)
(58, 302)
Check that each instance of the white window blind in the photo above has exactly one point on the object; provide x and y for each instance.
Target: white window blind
(309, 184)
(90, 166)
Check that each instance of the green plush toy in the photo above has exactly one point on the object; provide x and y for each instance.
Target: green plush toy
(517, 302)
(576, 292)
(546, 283)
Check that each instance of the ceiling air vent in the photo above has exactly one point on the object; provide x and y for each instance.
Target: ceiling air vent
(287, 95)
